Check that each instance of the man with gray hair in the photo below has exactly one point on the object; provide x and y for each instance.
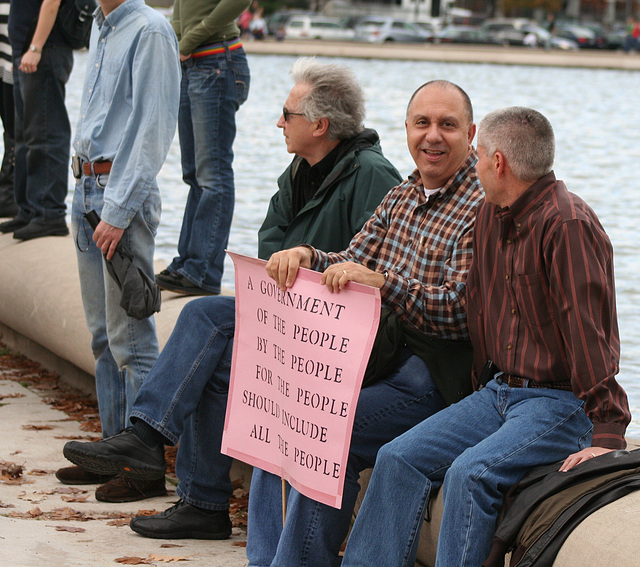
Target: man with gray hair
(337, 178)
(416, 249)
(542, 318)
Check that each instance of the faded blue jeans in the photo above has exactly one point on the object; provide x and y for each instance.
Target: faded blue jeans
(185, 398)
(125, 349)
(479, 447)
(42, 136)
(212, 90)
(314, 532)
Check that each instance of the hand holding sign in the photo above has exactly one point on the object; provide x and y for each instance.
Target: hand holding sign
(298, 360)
(283, 266)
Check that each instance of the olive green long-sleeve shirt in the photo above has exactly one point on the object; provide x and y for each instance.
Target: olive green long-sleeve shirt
(200, 22)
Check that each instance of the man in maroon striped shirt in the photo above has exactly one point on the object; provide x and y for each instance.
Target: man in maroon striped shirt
(541, 306)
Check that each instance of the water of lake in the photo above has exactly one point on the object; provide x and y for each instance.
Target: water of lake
(594, 114)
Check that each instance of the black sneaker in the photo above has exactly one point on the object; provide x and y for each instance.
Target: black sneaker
(122, 453)
(184, 521)
(14, 224)
(179, 284)
(38, 229)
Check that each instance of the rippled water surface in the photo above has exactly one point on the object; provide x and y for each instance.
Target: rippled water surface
(594, 114)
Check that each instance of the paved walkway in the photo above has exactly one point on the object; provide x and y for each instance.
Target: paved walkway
(44, 523)
(586, 58)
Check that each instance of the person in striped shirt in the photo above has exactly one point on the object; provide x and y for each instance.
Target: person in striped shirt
(542, 319)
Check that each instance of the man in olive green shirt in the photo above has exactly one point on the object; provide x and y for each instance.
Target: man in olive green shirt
(215, 82)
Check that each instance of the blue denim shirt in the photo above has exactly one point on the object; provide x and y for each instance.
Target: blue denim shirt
(130, 102)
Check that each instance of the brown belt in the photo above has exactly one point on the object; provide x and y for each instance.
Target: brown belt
(517, 382)
(96, 168)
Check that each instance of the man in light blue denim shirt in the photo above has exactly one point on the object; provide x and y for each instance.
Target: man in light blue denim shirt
(127, 121)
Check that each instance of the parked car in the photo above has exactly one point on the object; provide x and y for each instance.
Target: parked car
(600, 33)
(507, 31)
(317, 27)
(585, 38)
(615, 39)
(380, 30)
(430, 29)
(544, 38)
(278, 20)
(464, 34)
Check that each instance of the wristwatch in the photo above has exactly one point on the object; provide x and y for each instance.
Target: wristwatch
(35, 49)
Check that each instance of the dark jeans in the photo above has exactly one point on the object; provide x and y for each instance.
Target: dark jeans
(42, 135)
(6, 171)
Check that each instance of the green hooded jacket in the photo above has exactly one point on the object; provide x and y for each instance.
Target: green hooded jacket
(360, 179)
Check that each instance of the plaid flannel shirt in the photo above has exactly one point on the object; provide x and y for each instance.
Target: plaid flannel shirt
(424, 247)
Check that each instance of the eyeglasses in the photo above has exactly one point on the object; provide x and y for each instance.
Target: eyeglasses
(286, 113)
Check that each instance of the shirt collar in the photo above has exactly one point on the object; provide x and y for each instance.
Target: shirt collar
(451, 185)
(529, 199)
(117, 15)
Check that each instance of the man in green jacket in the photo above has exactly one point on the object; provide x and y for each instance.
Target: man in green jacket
(337, 178)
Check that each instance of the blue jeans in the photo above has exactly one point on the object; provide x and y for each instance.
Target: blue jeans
(43, 136)
(185, 398)
(124, 348)
(212, 90)
(314, 532)
(476, 449)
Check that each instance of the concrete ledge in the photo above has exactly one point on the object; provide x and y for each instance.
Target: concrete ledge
(607, 538)
(41, 316)
(41, 313)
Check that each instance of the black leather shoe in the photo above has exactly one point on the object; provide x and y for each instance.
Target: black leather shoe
(124, 489)
(122, 453)
(183, 521)
(14, 224)
(179, 284)
(78, 475)
(38, 229)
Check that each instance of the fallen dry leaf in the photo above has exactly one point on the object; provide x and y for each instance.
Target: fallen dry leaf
(72, 529)
(8, 396)
(239, 544)
(133, 560)
(171, 545)
(119, 522)
(31, 427)
(74, 498)
(168, 558)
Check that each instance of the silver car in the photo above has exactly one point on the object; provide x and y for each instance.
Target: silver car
(380, 30)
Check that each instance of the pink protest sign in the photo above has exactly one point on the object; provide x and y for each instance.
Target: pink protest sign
(298, 361)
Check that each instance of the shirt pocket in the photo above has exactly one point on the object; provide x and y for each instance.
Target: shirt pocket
(532, 298)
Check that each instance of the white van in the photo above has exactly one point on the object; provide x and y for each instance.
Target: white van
(316, 27)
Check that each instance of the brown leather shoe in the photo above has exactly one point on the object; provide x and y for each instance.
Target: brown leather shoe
(78, 475)
(126, 489)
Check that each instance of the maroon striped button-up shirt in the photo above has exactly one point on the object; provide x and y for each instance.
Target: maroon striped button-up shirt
(541, 300)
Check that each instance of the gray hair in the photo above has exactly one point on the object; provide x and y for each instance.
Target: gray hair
(335, 94)
(524, 136)
(447, 86)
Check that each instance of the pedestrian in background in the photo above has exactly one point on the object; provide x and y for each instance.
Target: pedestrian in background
(42, 63)
(215, 82)
(8, 207)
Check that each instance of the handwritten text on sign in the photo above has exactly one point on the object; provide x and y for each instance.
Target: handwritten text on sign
(298, 361)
